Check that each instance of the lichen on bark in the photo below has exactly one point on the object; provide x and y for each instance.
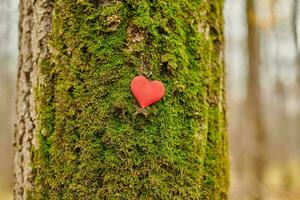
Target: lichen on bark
(94, 143)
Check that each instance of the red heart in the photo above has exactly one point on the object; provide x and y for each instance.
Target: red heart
(147, 92)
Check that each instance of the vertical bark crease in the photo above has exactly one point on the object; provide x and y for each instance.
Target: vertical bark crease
(33, 29)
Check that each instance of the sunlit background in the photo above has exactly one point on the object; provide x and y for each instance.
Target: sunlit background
(263, 95)
(8, 74)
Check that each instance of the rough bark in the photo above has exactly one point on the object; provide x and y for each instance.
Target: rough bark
(254, 103)
(34, 24)
(89, 139)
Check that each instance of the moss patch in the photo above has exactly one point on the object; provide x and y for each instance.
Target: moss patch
(94, 143)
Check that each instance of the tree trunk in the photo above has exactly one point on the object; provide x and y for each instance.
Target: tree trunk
(254, 103)
(80, 133)
(34, 24)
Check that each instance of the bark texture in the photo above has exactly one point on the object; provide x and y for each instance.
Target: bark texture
(88, 138)
(34, 25)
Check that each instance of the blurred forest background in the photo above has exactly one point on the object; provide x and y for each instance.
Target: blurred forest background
(262, 56)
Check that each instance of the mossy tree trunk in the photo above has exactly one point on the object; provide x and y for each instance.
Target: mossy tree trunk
(81, 134)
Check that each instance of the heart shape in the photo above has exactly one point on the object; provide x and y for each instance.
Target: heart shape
(147, 92)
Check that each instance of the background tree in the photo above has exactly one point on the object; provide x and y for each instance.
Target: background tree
(254, 103)
(80, 134)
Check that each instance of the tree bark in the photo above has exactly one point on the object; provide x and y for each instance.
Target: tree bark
(34, 25)
(80, 133)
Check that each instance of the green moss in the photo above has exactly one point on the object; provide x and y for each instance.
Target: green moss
(94, 143)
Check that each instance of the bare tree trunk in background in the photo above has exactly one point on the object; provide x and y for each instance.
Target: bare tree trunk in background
(295, 23)
(294, 26)
(295, 35)
(285, 118)
(254, 103)
(34, 22)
